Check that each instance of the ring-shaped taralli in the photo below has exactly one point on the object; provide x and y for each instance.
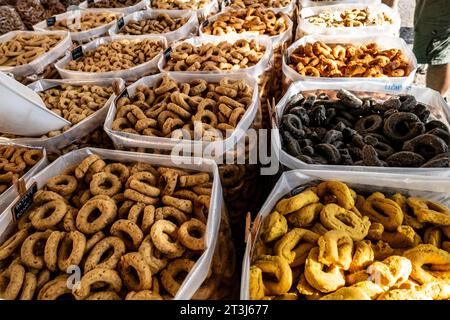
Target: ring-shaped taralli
(152, 256)
(186, 237)
(296, 202)
(11, 244)
(324, 281)
(430, 211)
(289, 247)
(97, 259)
(363, 256)
(427, 145)
(280, 280)
(141, 278)
(335, 248)
(181, 204)
(339, 190)
(172, 214)
(129, 232)
(31, 157)
(62, 184)
(383, 210)
(107, 208)
(169, 274)
(103, 295)
(54, 289)
(369, 124)
(144, 182)
(427, 254)
(335, 217)
(165, 238)
(51, 250)
(143, 215)
(11, 282)
(42, 220)
(409, 123)
(305, 216)
(93, 240)
(95, 276)
(28, 254)
(106, 184)
(28, 287)
(143, 295)
(72, 250)
(118, 169)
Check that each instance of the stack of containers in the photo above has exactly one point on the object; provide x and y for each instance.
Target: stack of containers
(315, 156)
(167, 25)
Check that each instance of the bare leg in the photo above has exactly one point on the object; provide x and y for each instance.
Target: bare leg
(438, 78)
(391, 3)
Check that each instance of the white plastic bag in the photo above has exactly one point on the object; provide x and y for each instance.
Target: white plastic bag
(38, 65)
(439, 110)
(82, 36)
(208, 10)
(124, 139)
(131, 74)
(416, 186)
(306, 28)
(79, 130)
(201, 268)
(277, 40)
(142, 5)
(315, 3)
(8, 196)
(186, 31)
(384, 42)
(254, 71)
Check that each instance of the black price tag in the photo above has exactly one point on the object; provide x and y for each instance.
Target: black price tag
(24, 203)
(51, 21)
(167, 53)
(205, 23)
(286, 58)
(77, 53)
(120, 23)
(123, 94)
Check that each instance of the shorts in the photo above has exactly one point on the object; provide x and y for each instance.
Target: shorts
(432, 32)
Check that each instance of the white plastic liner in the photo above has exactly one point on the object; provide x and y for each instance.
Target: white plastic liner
(7, 197)
(436, 189)
(311, 3)
(439, 110)
(187, 30)
(305, 28)
(201, 268)
(38, 65)
(131, 74)
(83, 36)
(384, 42)
(124, 139)
(254, 71)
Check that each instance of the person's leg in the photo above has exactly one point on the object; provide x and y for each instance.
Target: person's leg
(438, 78)
(391, 3)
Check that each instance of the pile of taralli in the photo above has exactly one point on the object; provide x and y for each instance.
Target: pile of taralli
(149, 150)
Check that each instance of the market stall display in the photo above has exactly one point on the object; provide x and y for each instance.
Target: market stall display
(144, 167)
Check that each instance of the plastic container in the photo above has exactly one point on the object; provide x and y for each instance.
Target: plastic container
(254, 71)
(384, 42)
(185, 31)
(81, 129)
(417, 186)
(83, 36)
(211, 8)
(306, 28)
(201, 268)
(123, 139)
(37, 65)
(8, 196)
(131, 74)
(23, 111)
(439, 110)
(312, 3)
(142, 5)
